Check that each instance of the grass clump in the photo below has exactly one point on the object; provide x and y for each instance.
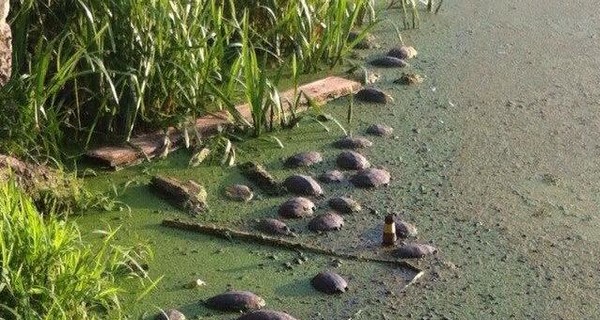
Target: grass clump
(47, 272)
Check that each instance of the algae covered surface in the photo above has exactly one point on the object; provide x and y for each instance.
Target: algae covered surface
(494, 158)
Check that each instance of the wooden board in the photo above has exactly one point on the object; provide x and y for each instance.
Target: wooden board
(150, 145)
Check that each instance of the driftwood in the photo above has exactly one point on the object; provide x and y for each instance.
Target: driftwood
(228, 233)
(188, 196)
(261, 177)
(150, 145)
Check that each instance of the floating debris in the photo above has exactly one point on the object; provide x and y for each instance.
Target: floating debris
(403, 52)
(344, 205)
(352, 160)
(414, 251)
(329, 282)
(239, 192)
(189, 196)
(304, 159)
(261, 177)
(274, 226)
(388, 62)
(266, 315)
(171, 314)
(235, 301)
(373, 95)
(329, 221)
(380, 130)
(405, 229)
(371, 178)
(297, 207)
(352, 143)
(367, 42)
(332, 176)
(194, 284)
(409, 79)
(303, 185)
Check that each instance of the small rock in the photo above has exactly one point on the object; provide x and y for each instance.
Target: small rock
(195, 284)
(344, 205)
(297, 207)
(403, 52)
(304, 159)
(303, 185)
(171, 314)
(332, 176)
(329, 282)
(239, 192)
(352, 143)
(351, 160)
(380, 130)
(371, 178)
(409, 79)
(329, 221)
(373, 95)
(388, 62)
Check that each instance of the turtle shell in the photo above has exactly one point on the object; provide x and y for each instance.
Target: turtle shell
(351, 160)
(303, 185)
(405, 229)
(332, 176)
(403, 52)
(371, 178)
(414, 251)
(373, 95)
(388, 62)
(171, 314)
(266, 315)
(329, 221)
(344, 205)
(235, 301)
(329, 282)
(352, 143)
(297, 207)
(380, 130)
(304, 159)
(239, 192)
(274, 226)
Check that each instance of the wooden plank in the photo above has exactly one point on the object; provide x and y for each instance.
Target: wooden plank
(151, 145)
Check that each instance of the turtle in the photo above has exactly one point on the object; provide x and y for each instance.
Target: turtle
(297, 207)
(380, 130)
(328, 221)
(239, 192)
(171, 314)
(356, 142)
(266, 315)
(303, 159)
(388, 62)
(351, 160)
(332, 176)
(329, 282)
(373, 95)
(344, 205)
(402, 52)
(235, 301)
(302, 185)
(414, 251)
(371, 178)
(274, 226)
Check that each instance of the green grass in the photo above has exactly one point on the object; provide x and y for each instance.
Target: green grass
(48, 273)
(90, 70)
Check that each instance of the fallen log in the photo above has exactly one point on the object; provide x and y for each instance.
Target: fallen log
(188, 196)
(261, 178)
(228, 233)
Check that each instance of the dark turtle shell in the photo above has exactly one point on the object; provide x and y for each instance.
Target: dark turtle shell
(403, 52)
(371, 178)
(171, 314)
(388, 62)
(380, 130)
(344, 205)
(405, 229)
(326, 222)
(239, 192)
(367, 42)
(304, 159)
(235, 301)
(302, 185)
(351, 160)
(332, 176)
(329, 282)
(414, 251)
(274, 226)
(373, 95)
(352, 143)
(266, 315)
(297, 207)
